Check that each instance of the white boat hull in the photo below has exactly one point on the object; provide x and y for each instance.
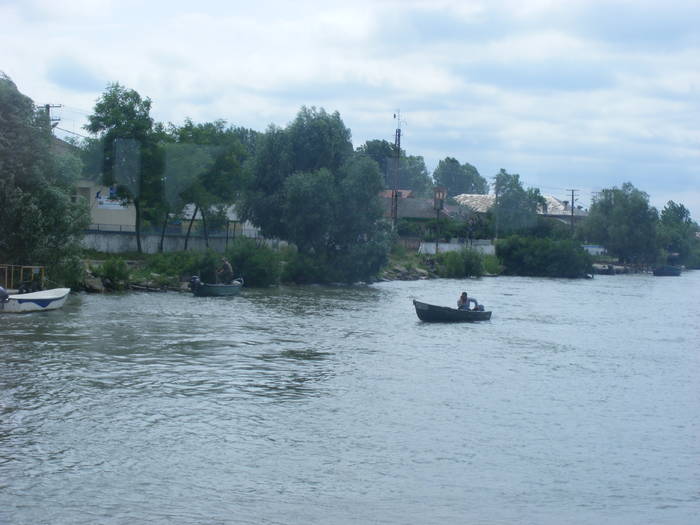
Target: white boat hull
(35, 301)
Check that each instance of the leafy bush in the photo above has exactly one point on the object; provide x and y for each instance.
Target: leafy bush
(115, 271)
(68, 271)
(205, 266)
(543, 257)
(491, 265)
(464, 263)
(407, 228)
(303, 269)
(257, 263)
(174, 264)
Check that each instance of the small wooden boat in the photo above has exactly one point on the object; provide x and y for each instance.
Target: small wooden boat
(34, 301)
(443, 314)
(201, 289)
(667, 271)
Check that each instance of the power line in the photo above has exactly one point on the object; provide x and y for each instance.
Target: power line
(73, 132)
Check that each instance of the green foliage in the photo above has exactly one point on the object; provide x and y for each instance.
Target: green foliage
(205, 266)
(412, 174)
(622, 220)
(131, 154)
(492, 265)
(115, 270)
(307, 186)
(676, 232)
(531, 256)
(258, 264)
(693, 260)
(39, 223)
(459, 178)
(173, 264)
(464, 263)
(410, 228)
(516, 208)
(302, 268)
(67, 271)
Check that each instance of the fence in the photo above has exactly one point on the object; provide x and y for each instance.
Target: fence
(120, 241)
(12, 276)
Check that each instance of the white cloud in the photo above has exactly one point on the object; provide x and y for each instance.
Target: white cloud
(554, 91)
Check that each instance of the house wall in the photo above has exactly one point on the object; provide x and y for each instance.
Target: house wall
(105, 213)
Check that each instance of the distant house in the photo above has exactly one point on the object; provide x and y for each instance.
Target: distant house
(554, 207)
(417, 208)
(107, 212)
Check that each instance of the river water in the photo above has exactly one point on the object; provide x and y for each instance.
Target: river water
(579, 402)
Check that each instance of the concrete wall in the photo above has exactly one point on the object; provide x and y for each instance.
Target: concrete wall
(482, 246)
(119, 242)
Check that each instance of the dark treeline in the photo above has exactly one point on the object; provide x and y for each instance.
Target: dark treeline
(304, 183)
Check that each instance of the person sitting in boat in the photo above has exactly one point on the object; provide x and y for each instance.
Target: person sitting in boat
(463, 302)
(225, 273)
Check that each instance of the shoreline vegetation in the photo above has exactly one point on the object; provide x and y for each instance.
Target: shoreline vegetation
(105, 273)
(305, 185)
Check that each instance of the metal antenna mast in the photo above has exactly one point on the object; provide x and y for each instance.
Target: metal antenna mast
(395, 189)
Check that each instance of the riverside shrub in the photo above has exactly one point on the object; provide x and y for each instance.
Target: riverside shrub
(464, 263)
(257, 263)
(536, 257)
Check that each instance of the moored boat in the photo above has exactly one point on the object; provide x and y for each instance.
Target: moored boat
(667, 271)
(444, 314)
(201, 289)
(34, 301)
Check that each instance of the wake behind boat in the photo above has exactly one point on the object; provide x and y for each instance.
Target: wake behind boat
(34, 301)
(444, 314)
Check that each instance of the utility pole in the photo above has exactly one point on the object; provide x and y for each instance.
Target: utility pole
(495, 206)
(52, 120)
(573, 200)
(395, 189)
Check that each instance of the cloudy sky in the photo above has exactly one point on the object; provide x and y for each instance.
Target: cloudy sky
(569, 94)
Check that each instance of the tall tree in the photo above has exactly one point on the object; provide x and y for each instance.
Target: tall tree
(39, 222)
(131, 154)
(677, 231)
(309, 187)
(218, 184)
(515, 209)
(459, 178)
(622, 220)
(413, 174)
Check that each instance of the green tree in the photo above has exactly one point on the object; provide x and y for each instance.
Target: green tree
(307, 186)
(413, 174)
(515, 209)
(622, 220)
(459, 178)
(677, 231)
(39, 222)
(535, 257)
(131, 156)
(215, 183)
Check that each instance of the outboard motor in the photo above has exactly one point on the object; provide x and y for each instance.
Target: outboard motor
(4, 296)
(194, 282)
